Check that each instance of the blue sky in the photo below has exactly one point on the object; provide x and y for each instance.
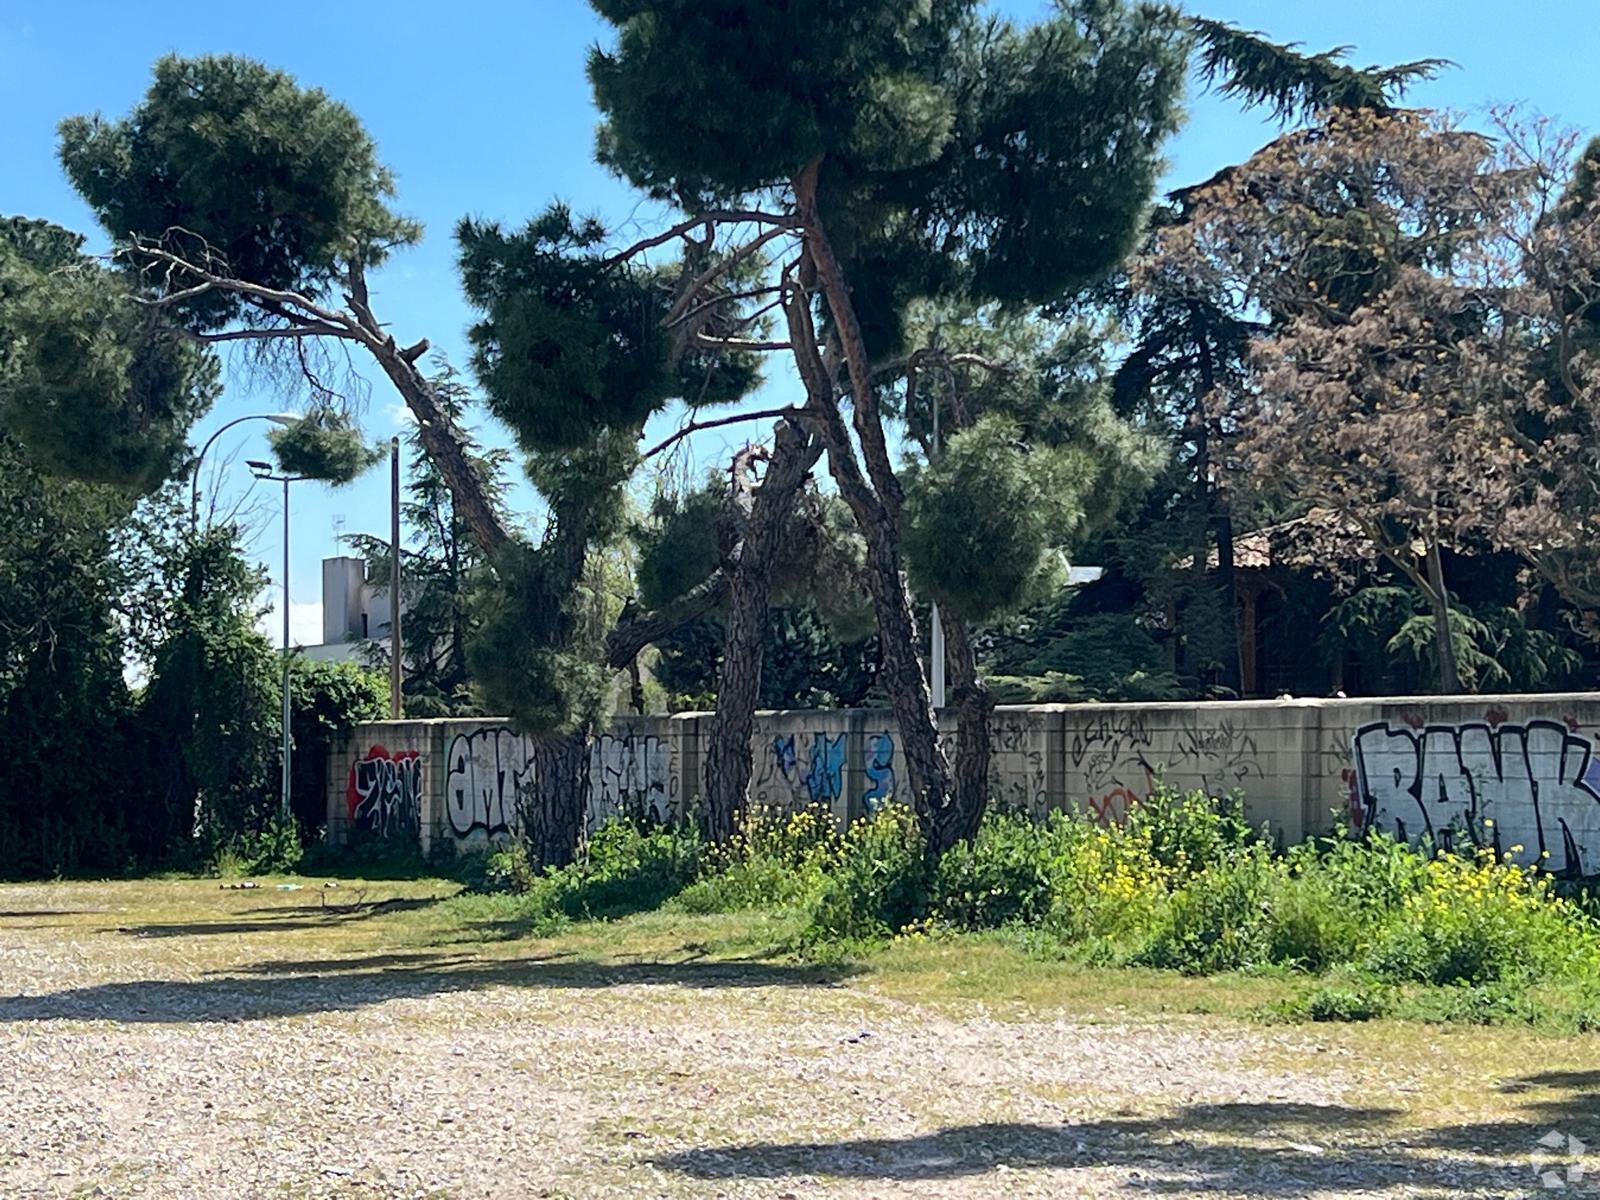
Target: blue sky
(481, 108)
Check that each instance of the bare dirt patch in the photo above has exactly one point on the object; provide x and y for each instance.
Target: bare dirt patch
(173, 1039)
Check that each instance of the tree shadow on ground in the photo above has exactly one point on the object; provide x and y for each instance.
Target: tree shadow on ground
(298, 988)
(285, 918)
(26, 914)
(1259, 1149)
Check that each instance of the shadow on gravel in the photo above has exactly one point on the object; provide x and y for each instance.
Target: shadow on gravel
(280, 989)
(1256, 1149)
(285, 918)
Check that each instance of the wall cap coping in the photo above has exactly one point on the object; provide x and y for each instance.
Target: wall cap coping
(1088, 707)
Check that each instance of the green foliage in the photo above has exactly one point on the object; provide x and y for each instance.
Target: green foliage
(1356, 1000)
(1293, 83)
(1063, 651)
(85, 585)
(274, 849)
(326, 701)
(726, 97)
(1476, 920)
(97, 388)
(265, 180)
(1004, 876)
(522, 654)
(1217, 920)
(624, 868)
(1187, 832)
(679, 542)
(980, 521)
(946, 139)
(880, 883)
(324, 444)
(775, 859)
(571, 346)
(1495, 646)
(211, 712)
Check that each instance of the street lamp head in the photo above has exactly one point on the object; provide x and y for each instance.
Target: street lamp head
(258, 467)
(283, 418)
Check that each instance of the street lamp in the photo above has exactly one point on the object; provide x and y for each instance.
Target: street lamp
(263, 470)
(283, 418)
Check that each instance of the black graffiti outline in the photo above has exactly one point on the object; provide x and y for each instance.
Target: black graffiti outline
(1494, 738)
(388, 789)
(462, 764)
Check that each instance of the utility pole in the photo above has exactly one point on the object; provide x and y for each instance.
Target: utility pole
(263, 470)
(396, 668)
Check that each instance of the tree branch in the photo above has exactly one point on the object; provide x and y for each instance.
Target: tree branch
(697, 426)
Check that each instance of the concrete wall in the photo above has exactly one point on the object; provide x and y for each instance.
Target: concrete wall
(1515, 771)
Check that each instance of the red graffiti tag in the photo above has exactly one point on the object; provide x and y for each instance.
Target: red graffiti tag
(384, 790)
(1112, 808)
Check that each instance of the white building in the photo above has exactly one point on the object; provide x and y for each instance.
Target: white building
(355, 611)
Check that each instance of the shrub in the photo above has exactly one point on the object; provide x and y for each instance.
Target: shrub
(627, 868)
(1357, 998)
(776, 859)
(1217, 920)
(274, 849)
(1475, 920)
(1338, 898)
(1006, 874)
(1186, 832)
(879, 884)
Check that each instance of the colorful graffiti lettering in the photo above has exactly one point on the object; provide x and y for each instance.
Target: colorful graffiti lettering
(1529, 791)
(384, 792)
(880, 772)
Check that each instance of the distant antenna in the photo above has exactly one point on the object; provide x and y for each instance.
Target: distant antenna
(338, 528)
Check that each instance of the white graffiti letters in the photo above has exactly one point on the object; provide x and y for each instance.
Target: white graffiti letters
(1504, 786)
(486, 771)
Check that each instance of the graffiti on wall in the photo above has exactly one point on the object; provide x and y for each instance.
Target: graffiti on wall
(1106, 746)
(1017, 770)
(1495, 783)
(631, 773)
(1222, 752)
(801, 768)
(484, 771)
(880, 771)
(384, 792)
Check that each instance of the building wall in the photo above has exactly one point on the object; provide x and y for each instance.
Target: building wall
(1518, 772)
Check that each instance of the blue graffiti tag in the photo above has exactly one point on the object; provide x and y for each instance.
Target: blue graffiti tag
(880, 770)
(825, 778)
(783, 754)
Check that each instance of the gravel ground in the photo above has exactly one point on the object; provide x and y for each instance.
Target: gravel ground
(221, 1052)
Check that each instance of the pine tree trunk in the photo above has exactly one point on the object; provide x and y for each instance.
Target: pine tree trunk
(762, 512)
(553, 807)
(959, 820)
(876, 505)
(727, 756)
(1439, 600)
(900, 671)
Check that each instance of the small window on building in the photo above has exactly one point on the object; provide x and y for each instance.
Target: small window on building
(364, 632)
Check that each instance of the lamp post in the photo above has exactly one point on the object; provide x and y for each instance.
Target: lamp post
(263, 470)
(283, 418)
